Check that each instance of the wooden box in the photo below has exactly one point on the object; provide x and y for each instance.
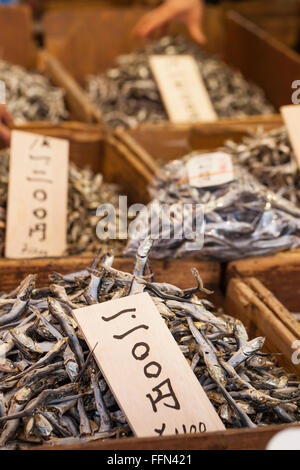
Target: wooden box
(137, 154)
(88, 147)
(247, 300)
(18, 47)
(85, 42)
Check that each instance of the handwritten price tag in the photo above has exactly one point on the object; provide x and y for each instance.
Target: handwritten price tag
(291, 117)
(37, 196)
(148, 375)
(210, 169)
(182, 88)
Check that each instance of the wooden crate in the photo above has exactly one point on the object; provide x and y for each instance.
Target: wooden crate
(88, 147)
(136, 155)
(262, 59)
(76, 37)
(279, 18)
(17, 46)
(88, 40)
(280, 273)
(249, 301)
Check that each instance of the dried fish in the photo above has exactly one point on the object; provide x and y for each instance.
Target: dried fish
(127, 95)
(87, 191)
(31, 97)
(42, 402)
(241, 218)
(269, 156)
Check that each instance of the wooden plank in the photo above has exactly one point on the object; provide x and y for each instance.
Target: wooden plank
(232, 439)
(175, 272)
(261, 58)
(242, 302)
(279, 273)
(273, 304)
(16, 36)
(77, 100)
(77, 36)
(164, 142)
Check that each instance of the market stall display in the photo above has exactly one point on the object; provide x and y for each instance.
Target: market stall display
(58, 392)
(128, 95)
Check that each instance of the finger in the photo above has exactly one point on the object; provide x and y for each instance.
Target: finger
(4, 134)
(153, 20)
(196, 32)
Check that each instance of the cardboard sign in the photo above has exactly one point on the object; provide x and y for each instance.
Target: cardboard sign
(37, 196)
(182, 88)
(210, 169)
(291, 117)
(145, 369)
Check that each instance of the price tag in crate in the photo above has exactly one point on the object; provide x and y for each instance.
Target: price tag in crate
(182, 88)
(145, 369)
(37, 196)
(210, 169)
(291, 117)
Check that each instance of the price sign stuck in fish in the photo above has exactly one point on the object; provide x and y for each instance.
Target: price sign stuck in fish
(146, 371)
(182, 88)
(37, 196)
(291, 117)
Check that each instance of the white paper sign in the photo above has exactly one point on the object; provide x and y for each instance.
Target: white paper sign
(145, 369)
(289, 439)
(291, 117)
(37, 196)
(210, 169)
(182, 88)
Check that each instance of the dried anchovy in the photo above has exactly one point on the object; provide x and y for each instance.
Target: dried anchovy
(44, 399)
(269, 156)
(31, 97)
(242, 218)
(87, 191)
(127, 94)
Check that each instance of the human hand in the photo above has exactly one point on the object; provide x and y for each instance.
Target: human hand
(189, 12)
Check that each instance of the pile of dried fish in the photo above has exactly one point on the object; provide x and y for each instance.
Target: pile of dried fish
(270, 158)
(87, 192)
(127, 95)
(31, 97)
(242, 218)
(51, 390)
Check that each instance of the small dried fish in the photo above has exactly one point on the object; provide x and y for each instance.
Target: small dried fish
(87, 191)
(127, 95)
(42, 402)
(269, 156)
(242, 218)
(31, 97)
